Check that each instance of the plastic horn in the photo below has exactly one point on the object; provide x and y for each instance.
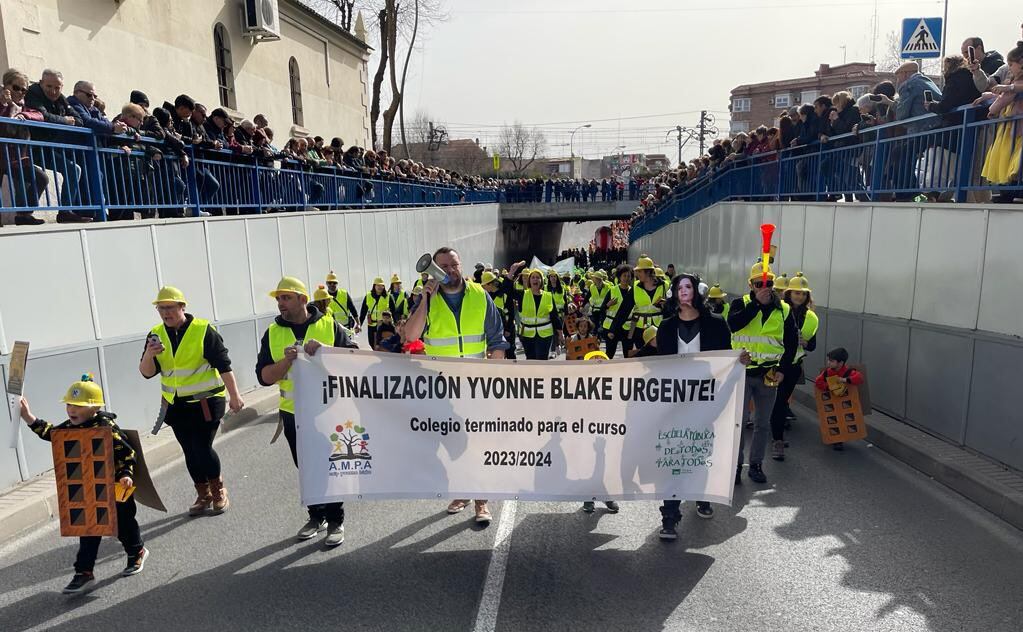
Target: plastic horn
(766, 231)
(428, 265)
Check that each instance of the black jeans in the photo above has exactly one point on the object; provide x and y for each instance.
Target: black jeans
(781, 403)
(331, 512)
(195, 436)
(621, 337)
(127, 532)
(537, 348)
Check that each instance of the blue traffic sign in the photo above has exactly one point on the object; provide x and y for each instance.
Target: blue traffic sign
(921, 38)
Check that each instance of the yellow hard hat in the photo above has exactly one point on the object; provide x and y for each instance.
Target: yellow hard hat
(290, 284)
(84, 392)
(331, 278)
(781, 282)
(378, 281)
(799, 283)
(649, 334)
(757, 271)
(659, 273)
(602, 274)
(715, 292)
(395, 278)
(596, 355)
(168, 294)
(321, 294)
(644, 263)
(487, 277)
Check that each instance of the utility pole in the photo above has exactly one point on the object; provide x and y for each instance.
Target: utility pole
(678, 128)
(703, 129)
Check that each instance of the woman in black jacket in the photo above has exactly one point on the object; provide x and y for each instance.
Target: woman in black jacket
(688, 327)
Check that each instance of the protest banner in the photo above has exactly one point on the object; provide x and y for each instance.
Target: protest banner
(384, 426)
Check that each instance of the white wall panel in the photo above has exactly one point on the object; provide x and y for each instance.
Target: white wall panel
(185, 265)
(951, 251)
(32, 267)
(817, 249)
(316, 245)
(293, 248)
(121, 290)
(892, 261)
(849, 258)
(790, 237)
(337, 236)
(265, 247)
(1003, 275)
(355, 278)
(229, 258)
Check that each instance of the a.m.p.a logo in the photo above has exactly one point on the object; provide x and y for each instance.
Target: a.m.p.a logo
(350, 453)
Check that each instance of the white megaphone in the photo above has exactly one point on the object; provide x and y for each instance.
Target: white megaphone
(428, 265)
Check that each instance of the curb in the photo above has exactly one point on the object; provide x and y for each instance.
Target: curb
(990, 485)
(33, 503)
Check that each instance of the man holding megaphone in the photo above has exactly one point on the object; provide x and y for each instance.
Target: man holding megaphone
(459, 321)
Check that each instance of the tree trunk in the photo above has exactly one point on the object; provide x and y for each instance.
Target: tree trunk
(404, 73)
(378, 78)
(392, 42)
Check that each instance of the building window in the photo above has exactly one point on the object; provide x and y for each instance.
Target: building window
(741, 104)
(782, 100)
(808, 96)
(296, 92)
(225, 72)
(734, 127)
(859, 91)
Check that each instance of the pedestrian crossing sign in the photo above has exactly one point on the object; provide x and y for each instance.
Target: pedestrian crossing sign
(921, 38)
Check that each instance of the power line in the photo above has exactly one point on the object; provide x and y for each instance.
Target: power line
(702, 9)
(607, 120)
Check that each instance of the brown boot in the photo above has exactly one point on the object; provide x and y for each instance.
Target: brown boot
(220, 501)
(202, 500)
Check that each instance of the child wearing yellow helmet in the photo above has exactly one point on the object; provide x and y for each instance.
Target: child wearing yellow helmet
(84, 405)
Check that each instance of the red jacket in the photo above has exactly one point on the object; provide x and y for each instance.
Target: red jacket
(855, 377)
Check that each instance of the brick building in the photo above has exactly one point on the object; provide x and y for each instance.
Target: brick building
(758, 104)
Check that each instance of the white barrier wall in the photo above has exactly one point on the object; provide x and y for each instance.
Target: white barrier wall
(82, 296)
(928, 296)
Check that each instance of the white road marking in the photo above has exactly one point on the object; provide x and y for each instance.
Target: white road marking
(490, 603)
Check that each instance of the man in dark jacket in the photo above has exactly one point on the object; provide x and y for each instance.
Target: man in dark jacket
(990, 61)
(83, 102)
(46, 97)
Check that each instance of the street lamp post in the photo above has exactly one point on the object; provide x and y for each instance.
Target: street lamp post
(571, 145)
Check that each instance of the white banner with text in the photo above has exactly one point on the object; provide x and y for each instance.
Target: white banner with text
(380, 425)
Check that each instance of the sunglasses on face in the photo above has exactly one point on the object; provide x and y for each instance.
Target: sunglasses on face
(91, 95)
(761, 284)
(18, 89)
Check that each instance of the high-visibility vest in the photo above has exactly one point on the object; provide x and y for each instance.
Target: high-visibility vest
(500, 303)
(597, 296)
(612, 311)
(185, 372)
(282, 338)
(559, 298)
(464, 338)
(375, 306)
(649, 313)
(537, 322)
(400, 305)
(764, 341)
(809, 328)
(338, 307)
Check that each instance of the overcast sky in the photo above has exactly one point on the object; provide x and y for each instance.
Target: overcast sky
(563, 63)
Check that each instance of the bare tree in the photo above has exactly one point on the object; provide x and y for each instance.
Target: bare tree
(891, 57)
(384, 21)
(521, 146)
(340, 12)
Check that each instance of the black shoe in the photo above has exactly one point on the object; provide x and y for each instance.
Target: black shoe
(838, 447)
(589, 506)
(27, 220)
(135, 563)
(738, 475)
(67, 217)
(79, 583)
(311, 528)
(667, 531)
(612, 506)
(704, 510)
(756, 473)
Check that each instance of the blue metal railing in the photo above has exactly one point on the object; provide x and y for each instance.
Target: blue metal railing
(878, 163)
(61, 168)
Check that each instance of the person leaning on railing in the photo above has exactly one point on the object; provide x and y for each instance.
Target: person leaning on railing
(26, 181)
(1002, 163)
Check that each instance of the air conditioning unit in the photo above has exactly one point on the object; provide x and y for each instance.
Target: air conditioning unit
(261, 20)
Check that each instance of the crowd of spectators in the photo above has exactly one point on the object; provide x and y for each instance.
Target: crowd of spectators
(162, 134)
(617, 252)
(557, 190)
(977, 78)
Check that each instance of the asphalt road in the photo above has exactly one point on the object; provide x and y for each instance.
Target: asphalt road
(834, 541)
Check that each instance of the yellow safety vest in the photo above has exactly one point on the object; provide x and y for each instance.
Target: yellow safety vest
(559, 298)
(537, 322)
(499, 302)
(764, 341)
(185, 372)
(649, 313)
(464, 338)
(809, 328)
(339, 305)
(400, 305)
(612, 311)
(282, 338)
(375, 306)
(597, 296)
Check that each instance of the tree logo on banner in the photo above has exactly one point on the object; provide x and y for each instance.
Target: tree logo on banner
(350, 442)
